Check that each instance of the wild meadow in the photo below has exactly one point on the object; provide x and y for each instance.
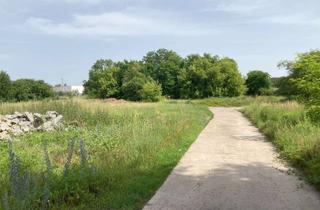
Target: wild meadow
(107, 156)
(290, 129)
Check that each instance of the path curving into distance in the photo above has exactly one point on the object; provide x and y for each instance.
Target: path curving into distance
(232, 166)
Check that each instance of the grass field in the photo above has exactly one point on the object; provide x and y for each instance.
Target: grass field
(132, 147)
(296, 137)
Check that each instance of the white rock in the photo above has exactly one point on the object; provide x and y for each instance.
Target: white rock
(29, 117)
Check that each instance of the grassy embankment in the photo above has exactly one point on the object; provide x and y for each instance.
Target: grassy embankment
(297, 139)
(132, 146)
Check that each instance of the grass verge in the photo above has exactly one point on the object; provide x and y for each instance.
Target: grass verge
(231, 101)
(288, 127)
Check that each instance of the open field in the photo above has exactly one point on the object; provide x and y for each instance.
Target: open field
(132, 146)
(296, 138)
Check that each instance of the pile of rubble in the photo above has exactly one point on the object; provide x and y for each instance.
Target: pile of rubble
(20, 123)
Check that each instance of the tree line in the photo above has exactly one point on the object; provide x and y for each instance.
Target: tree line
(23, 89)
(165, 73)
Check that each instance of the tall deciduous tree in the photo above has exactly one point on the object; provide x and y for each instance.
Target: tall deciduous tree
(164, 67)
(304, 76)
(207, 76)
(102, 81)
(233, 82)
(5, 86)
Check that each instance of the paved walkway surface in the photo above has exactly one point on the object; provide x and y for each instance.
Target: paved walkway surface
(231, 166)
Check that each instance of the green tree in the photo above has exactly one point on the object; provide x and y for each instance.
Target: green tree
(207, 76)
(29, 89)
(124, 67)
(233, 83)
(133, 82)
(164, 66)
(5, 86)
(136, 86)
(304, 76)
(284, 86)
(103, 82)
(199, 78)
(257, 82)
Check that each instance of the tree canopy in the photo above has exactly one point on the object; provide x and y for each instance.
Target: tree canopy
(304, 80)
(23, 89)
(5, 86)
(165, 72)
(258, 82)
(29, 89)
(304, 76)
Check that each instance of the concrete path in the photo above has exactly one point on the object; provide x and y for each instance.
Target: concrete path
(231, 166)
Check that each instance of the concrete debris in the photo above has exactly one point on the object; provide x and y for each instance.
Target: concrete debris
(21, 123)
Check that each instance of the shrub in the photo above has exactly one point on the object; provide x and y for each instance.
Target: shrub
(258, 82)
(314, 114)
(29, 89)
(151, 91)
(304, 76)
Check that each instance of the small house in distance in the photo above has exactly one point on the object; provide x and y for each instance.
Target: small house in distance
(65, 89)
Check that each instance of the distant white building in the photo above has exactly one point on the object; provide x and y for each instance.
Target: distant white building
(68, 88)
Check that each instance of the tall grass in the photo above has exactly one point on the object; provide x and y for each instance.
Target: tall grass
(236, 101)
(130, 147)
(289, 128)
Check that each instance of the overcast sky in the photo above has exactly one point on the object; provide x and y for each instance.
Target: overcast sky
(54, 39)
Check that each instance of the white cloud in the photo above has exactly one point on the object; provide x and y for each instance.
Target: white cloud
(296, 19)
(115, 24)
(93, 2)
(237, 6)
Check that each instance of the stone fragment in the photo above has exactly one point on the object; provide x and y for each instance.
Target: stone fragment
(4, 127)
(38, 120)
(29, 117)
(15, 121)
(56, 121)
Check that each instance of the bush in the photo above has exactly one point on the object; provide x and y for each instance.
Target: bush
(314, 114)
(258, 82)
(304, 74)
(151, 91)
(131, 89)
(266, 91)
(29, 89)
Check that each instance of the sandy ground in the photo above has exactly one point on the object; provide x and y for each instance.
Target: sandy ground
(231, 166)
